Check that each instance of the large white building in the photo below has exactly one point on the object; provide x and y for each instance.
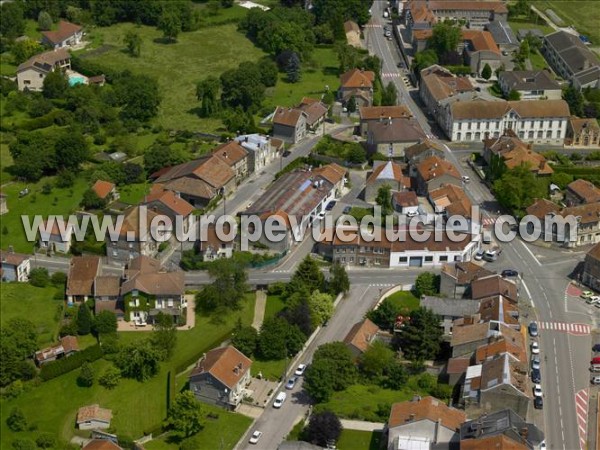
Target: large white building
(537, 121)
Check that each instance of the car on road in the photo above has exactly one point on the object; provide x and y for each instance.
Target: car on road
(595, 380)
(533, 329)
(412, 213)
(279, 400)
(291, 383)
(330, 205)
(596, 348)
(465, 178)
(509, 273)
(490, 255)
(593, 299)
(536, 376)
(479, 255)
(255, 437)
(586, 294)
(300, 370)
(538, 403)
(347, 209)
(286, 153)
(535, 348)
(537, 390)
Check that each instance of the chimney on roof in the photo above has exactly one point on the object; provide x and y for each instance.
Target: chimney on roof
(524, 432)
(246, 139)
(411, 417)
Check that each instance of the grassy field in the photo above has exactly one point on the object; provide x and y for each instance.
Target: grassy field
(19, 299)
(537, 61)
(178, 67)
(136, 406)
(61, 201)
(518, 25)
(274, 304)
(133, 193)
(584, 16)
(321, 72)
(363, 401)
(271, 370)
(5, 161)
(359, 440)
(405, 300)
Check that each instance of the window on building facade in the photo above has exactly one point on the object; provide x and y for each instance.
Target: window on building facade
(403, 259)
(429, 259)
(443, 258)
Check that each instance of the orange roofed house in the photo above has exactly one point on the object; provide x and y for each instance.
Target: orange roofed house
(66, 35)
(434, 172)
(65, 348)
(385, 174)
(93, 417)
(220, 377)
(423, 423)
(591, 268)
(358, 84)
(361, 336)
(289, 124)
(105, 190)
(581, 192)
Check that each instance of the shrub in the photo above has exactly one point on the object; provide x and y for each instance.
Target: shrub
(46, 440)
(56, 368)
(23, 444)
(86, 376)
(39, 277)
(16, 420)
(110, 377)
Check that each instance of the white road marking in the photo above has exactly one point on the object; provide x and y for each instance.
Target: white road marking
(532, 255)
(528, 293)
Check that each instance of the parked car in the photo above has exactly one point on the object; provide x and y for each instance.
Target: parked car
(412, 213)
(490, 255)
(537, 390)
(479, 255)
(586, 294)
(255, 437)
(279, 400)
(347, 209)
(300, 370)
(538, 403)
(510, 273)
(535, 348)
(536, 376)
(596, 348)
(286, 153)
(535, 362)
(291, 383)
(330, 205)
(465, 178)
(593, 299)
(595, 380)
(533, 329)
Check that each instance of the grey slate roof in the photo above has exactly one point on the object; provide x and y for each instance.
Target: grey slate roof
(521, 80)
(450, 306)
(583, 63)
(505, 422)
(522, 33)
(502, 32)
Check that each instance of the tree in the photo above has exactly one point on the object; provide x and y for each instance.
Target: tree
(396, 376)
(356, 153)
(384, 199)
(421, 336)
(139, 360)
(422, 60)
(185, 417)
(245, 339)
(239, 121)
(25, 49)
(376, 359)
(23, 444)
(16, 420)
(517, 188)
(44, 21)
(133, 173)
(574, 99)
(90, 200)
(561, 179)
(389, 96)
(84, 319)
(227, 289)
(18, 341)
(293, 69)
(513, 95)
(384, 316)
(39, 277)
(110, 377)
(71, 149)
(278, 339)
(332, 370)
(351, 105)
(105, 322)
(55, 85)
(321, 308)
(243, 87)
(445, 38)
(139, 96)
(170, 24)
(427, 283)
(164, 336)
(227, 3)
(12, 24)
(207, 92)
(86, 376)
(159, 156)
(338, 279)
(348, 56)
(46, 440)
(308, 275)
(324, 428)
(338, 11)
(486, 72)
(133, 41)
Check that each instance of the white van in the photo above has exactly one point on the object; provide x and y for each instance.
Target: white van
(279, 400)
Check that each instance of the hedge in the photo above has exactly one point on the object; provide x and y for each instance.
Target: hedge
(59, 367)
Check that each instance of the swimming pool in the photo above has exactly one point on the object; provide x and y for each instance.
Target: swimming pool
(75, 80)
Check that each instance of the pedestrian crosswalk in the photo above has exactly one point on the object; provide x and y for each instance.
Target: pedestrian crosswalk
(488, 221)
(581, 406)
(282, 271)
(572, 328)
(390, 74)
(382, 285)
(373, 25)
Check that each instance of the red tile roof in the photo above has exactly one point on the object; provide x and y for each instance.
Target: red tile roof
(585, 190)
(434, 167)
(481, 40)
(357, 78)
(231, 152)
(384, 112)
(170, 200)
(288, 116)
(361, 335)
(426, 408)
(82, 272)
(334, 173)
(101, 444)
(103, 188)
(65, 30)
(226, 364)
(93, 412)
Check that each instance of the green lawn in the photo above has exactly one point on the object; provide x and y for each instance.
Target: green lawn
(5, 161)
(20, 299)
(405, 300)
(272, 370)
(517, 25)
(363, 402)
(359, 440)
(537, 61)
(61, 201)
(321, 72)
(583, 15)
(136, 406)
(274, 304)
(133, 193)
(222, 433)
(178, 67)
